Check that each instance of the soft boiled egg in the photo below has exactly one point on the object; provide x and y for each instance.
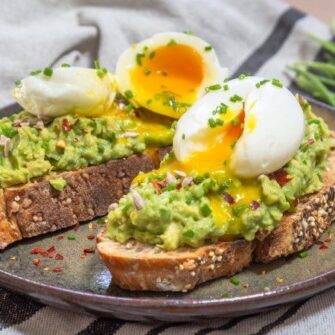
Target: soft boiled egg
(251, 127)
(51, 93)
(168, 72)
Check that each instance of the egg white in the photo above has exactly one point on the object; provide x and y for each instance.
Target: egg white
(68, 90)
(277, 131)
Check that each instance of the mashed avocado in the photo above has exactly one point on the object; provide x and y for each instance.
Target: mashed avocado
(174, 213)
(31, 148)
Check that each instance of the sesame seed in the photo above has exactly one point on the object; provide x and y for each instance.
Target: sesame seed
(192, 273)
(211, 254)
(211, 267)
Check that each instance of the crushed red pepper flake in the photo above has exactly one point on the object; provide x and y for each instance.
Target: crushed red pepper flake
(323, 246)
(37, 261)
(58, 238)
(66, 125)
(88, 251)
(57, 269)
(91, 237)
(59, 257)
(254, 205)
(156, 186)
(51, 250)
(280, 176)
(310, 141)
(329, 239)
(37, 250)
(92, 226)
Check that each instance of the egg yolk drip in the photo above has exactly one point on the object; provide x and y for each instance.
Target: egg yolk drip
(167, 79)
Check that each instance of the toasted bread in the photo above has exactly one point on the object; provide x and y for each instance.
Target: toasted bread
(135, 266)
(37, 208)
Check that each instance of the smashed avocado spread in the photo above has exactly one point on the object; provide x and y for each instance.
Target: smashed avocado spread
(32, 148)
(174, 208)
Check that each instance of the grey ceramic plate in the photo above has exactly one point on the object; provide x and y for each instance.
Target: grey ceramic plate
(85, 285)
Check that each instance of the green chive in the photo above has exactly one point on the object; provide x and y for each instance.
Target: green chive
(97, 64)
(235, 122)
(171, 42)
(234, 281)
(65, 65)
(205, 210)
(152, 54)
(102, 72)
(17, 82)
(48, 71)
(277, 83)
(129, 108)
(147, 72)
(236, 98)
(188, 32)
(303, 254)
(71, 236)
(208, 48)
(169, 187)
(183, 137)
(35, 73)
(211, 123)
(233, 144)
(225, 87)
(139, 57)
(243, 76)
(239, 209)
(101, 221)
(213, 88)
(262, 82)
(128, 94)
(149, 101)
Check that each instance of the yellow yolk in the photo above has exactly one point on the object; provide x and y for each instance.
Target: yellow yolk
(167, 79)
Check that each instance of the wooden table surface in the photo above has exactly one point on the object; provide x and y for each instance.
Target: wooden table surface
(322, 9)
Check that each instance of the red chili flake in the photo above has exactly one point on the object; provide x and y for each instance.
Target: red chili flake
(254, 205)
(310, 141)
(163, 183)
(88, 251)
(329, 239)
(281, 177)
(323, 246)
(137, 114)
(91, 237)
(37, 250)
(66, 125)
(59, 257)
(37, 261)
(58, 238)
(228, 198)
(57, 269)
(51, 250)
(92, 226)
(156, 186)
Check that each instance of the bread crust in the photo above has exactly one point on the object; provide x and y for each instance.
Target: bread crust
(37, 208)
(138, 267)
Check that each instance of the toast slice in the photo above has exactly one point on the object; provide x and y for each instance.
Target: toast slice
(37, 208)
(135, 266)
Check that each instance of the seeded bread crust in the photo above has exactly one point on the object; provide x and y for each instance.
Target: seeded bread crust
(37, 208)
(135, 266)
(139, 267)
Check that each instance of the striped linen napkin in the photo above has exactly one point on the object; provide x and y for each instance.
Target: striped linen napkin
(261, 37)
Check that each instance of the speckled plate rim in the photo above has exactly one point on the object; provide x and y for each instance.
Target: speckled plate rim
(280, 295)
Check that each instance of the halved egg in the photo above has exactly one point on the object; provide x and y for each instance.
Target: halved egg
(252, 127)
(168, 72)
(65, 90)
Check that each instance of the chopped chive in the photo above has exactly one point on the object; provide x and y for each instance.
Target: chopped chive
(262, 82)
(188, 32)
(239, 209)
(149, 101)
(213, 88)
(128, 94)
(139, 57)
(65, 65)
(171, 42)
(152, 54)
(71, 237)
(169, 187)
(225, 87)
(277, 83)
(234, 281)
(236, 98)
(243, 76)
(235, 122)
(129, 108)
(102, 72)
(205, 210)
(146, 48)
(221, 109)
(233, 144)
(211, 122)
(208, 48)
(97, 64)
(183, 137)
(101, 221)
(48, 71)
(17, 82)
(35, 73)
(147, 72)
(303, 254)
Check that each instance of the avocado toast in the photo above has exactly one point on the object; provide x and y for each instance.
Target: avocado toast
(202, 218)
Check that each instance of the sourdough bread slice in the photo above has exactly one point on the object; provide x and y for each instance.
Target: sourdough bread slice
(135, 266)
(139, 267)
(37, 208)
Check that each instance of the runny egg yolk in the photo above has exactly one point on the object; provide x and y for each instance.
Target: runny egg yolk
(167, 79)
